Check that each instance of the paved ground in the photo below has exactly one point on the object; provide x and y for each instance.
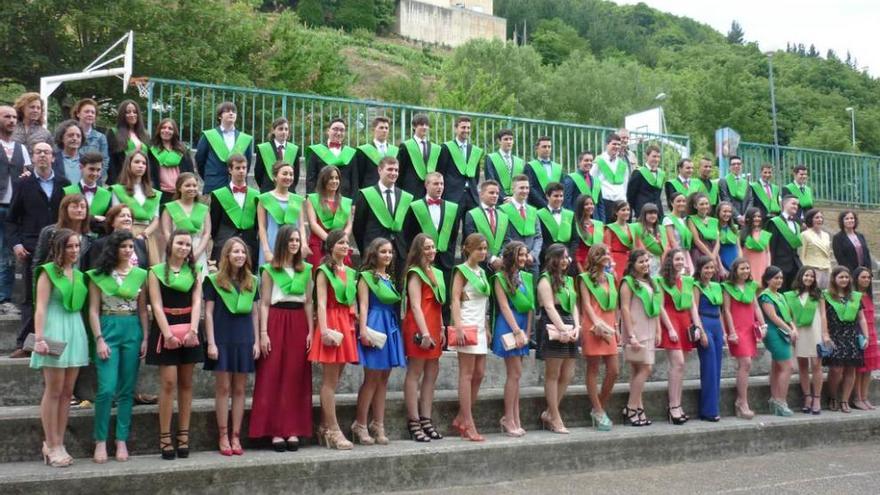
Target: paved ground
(843, 470)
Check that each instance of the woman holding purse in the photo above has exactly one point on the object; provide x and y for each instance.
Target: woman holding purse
(778, 339)
(808, 316)
(514, 314)
(599, 297)
(380, 347)
(709, 297)
(173, 344)
(849, 334)
(558, 333)
(467, 335)
(744, 324)
(336, 292)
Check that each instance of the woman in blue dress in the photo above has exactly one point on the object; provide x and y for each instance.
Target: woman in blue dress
(711, 346)
(279, 207)
(729, 238)
(378, 301)
(514, 314)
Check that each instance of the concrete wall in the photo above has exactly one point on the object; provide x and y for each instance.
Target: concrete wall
(454, 26)
(484, 6)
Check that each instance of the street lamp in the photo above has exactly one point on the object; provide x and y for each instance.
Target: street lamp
(660, 98)
(773, 110)
(852, 113)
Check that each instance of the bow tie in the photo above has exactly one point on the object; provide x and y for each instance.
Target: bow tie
(239, 189)
(437, 202)
(556, 211)
(89, 189)
(334, 145)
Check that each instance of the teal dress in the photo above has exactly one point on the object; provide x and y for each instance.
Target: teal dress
(64, 326)
(775, 341)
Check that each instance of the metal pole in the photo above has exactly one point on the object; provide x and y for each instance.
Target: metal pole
(852, 112)
(773, 110)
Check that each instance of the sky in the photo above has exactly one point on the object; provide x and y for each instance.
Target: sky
(839, 24)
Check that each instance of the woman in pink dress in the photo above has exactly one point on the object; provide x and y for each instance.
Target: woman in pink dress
(619, 238)
(755, 243)
(744, 325)
(327, 210)
(863, 281)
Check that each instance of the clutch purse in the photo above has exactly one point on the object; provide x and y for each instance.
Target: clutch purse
(824, 351)
(469, 333)
(759, 335)
(377, 339)
(863, 341)
(56, 347)
(508, 341)
(635, 355)
(554, 333)
(693, 333)
(335, 336)
(179, 331)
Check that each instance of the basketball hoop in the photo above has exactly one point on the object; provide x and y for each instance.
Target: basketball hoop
(143, 85)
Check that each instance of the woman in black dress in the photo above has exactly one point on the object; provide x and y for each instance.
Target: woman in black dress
(849, 336)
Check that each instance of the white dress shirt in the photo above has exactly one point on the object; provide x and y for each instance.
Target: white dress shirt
(228, 137)
(610, 192)
(434, 211)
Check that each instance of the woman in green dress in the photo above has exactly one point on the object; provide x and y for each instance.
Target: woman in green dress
(781, 332)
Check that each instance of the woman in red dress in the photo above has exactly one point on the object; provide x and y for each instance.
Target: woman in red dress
(589, 231)
(336, 342)
(619, 238)
(863, 281)
(327, 210)
(744, 326)
(422, 335)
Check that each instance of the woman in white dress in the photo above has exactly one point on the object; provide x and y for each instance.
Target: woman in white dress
(808, 310)
(469, 307)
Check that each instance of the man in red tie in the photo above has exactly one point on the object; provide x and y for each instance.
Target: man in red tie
(765, 194)
(336, 153)
(489, 221)
(524, 222)
(684, 183)
(234, 210)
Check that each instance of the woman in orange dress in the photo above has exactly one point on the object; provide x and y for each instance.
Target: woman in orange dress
(335, 290)
(426, 292)
(755, 243)
(327, 210)
(619, 238)
(598, 290)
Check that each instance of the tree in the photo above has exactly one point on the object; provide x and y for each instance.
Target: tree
(555, 41)
(736, 35)
(311, 12)
(831, 56)
(354, 14)
(813, 53)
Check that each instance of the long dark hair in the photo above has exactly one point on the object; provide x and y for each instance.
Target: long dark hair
(552, 261)
(415, 256)
(667, 269)
(768, 275)
(701, 263)
(332, 238)
(176, 143)
(748, 228)
(579, 207)
(734, 267)
(281, 256)
(370, 259)
(634, 256)
(647, 209)
(109, 258)
(126, 177)
(855, 276)
(832, 284)
(122, 130)
(188, 261)
(798, 286)
(509, 270)
(58, 245)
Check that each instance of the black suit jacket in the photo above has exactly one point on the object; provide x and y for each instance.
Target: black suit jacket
(445, 260)
(739, 206)
(409, 180)
(367, 227)
(30, 210)
(845, 252)
(262, 177)
(639, 192)
(781, 253)
(461, 190)
(222, 229)
(349, 175)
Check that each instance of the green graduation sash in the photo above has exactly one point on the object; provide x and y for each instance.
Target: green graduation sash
(566, 296)
(607, 298)
(848, 311)
(141, 212)
(238, 303)
(541, 174)
(792, 238)
(418, 160)
(781, 306)
(737, 187)
(290, 285)
(616, 176)
(191, 223)
(129, 287)
(218, 145)
(729, 235)
(581, 182)
(805, 199)
(479, 280)
(772, 204)
(524, 226)
(242, 218)
(466, 168)
(325, 155)
(694, 186)
(439, 290)
(73, 292)
(802, 314)
(384, 293)
(598, 235)
(655, 181)
(496, 240)
(625, 237)
(559, 232)
(181, 282)
(374, 155)
(682, 298)
(654, 245)
(165, 157)
(687, 237)
(423, 217)
(651, 302)
(522, 302)
(328, 219)
(505, 178)
(746, 295)
(346, 291)
(380, 209)
(100, 201)
(760, 244)
(711, 191)
(282, 216)
(707, 227)
(713, 293)
(267, 153)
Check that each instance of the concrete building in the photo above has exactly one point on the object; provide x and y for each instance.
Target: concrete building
(449, 22)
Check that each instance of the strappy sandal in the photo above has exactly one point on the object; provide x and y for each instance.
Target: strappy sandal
(844, 407)
(428, 428)
(166, 446)
(676, 420)
(415, 431)
(183, 444)
(644, 418)
(631, 416)
(833, 405)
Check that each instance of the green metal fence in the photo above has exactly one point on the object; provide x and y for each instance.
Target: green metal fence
(193, 105)
(847, 179)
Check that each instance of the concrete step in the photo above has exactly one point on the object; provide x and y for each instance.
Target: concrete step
(447, 463)
(20, 385)
(21, 433)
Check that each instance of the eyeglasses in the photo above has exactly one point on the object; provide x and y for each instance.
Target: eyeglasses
(42, 152)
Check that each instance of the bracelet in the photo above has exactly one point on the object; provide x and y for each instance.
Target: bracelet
(99, 337)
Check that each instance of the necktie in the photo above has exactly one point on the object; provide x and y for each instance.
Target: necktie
(89, 189)
(802, 189)
(490, 212)
(522, 212)
(687, 183)
(509, 163)
(382, 148)
(768, 191)
(239, 189)
(425, 150)
(279, 152)
(389, 201)
(432, 202)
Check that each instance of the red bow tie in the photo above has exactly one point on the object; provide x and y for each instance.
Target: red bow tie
(87, 189)
(437, 202)
(239, 189)
(334, 145)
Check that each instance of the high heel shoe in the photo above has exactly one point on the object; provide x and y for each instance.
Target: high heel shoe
(470, 433)
(236, 439)
(508, 430)
(631, 416)
(816, 406)
(45, 452)
(414, 427)
(548, 424)
(601, 421)
(428, 428)
(742, 412)
(377, 430)
(183, 444)
(334, 439)
(320, 433)
(166, 447)
(292, 444)
(808, 401)
(224, 439)
(57, 457)
(361, 435)
(675, 420)
(644, 417)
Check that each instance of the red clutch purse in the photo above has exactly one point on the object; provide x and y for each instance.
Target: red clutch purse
(468, 332)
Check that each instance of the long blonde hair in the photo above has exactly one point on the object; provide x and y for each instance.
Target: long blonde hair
(244, 278)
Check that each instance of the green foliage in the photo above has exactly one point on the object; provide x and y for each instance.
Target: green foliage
(385, 12)
(555, 40)
(353, 14)
(736, 35)
(311, 12)
(410, 89)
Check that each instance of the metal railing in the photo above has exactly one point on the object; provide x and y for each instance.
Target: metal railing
(193, 106)
(847, 179)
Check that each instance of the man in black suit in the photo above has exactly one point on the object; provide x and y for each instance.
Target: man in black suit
(418, 157)
(487, 219)
(541, 172)
(785, 241)
(734, 188)
(334, 152)
(765, 194)
(234, 211)
(460, 165)
(380, 211)
(369, 154)
(35, 202)
(436, 218)
(502, 165)
(646, 184)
